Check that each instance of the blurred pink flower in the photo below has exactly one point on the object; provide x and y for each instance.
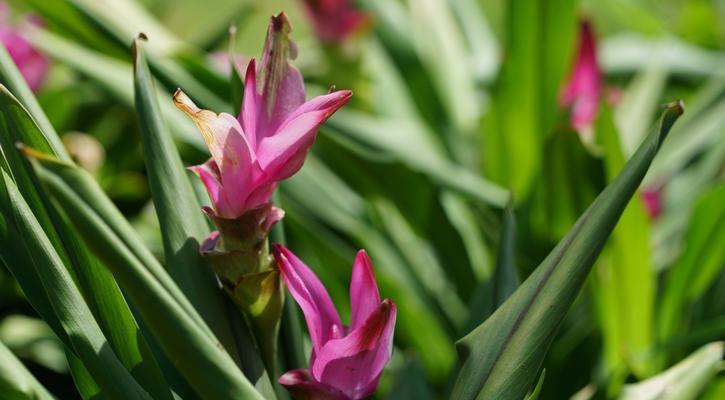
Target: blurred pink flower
(32, 64)
(652, 198)
(583, 88)
(346, 361)
(335, 20)
(270, 138)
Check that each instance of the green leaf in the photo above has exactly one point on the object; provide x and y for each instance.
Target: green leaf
(75, 317)
(181, 220)
(124, 19)
(95, 284)
(410, 383)
(638, 105)
(524, 100)
(16, 382)
(402, 138)
(87, 387)
(441, 48)
(186, 340)
(423, 262)
(11, 77)
(698, 265)
(501, 356)
(461, 216)
(534, 395)
(506, 276)
(180, 217)
(492, 292)
(625, 274)
(115, 76)
(684, 381)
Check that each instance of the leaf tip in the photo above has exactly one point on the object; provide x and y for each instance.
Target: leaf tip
(672, 111)
(135, 51)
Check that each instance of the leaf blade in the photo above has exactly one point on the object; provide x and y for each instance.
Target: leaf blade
(501, 356)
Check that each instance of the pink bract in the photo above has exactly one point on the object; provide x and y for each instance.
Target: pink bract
(346, 361)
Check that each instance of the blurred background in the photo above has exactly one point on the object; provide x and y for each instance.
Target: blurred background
(456, 103)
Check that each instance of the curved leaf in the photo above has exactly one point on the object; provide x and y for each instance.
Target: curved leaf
(501, 356)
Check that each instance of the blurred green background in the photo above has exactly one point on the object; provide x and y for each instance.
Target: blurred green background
(455, 102)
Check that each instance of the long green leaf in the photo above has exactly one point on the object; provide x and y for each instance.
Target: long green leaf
(16, 382)
(501, 356)
(180, 218)
(626, 275)
(95, 284)
(492, 292)
(182, 222)
(185, 338)
(76, 318)
(698, 265)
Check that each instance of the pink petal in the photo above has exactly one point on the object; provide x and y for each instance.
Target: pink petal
(250, 104)
(260, 193)
(283, 153)
(275, 214)
(280, 84)
(234, 158)
(322, 319)
(354, 363)
(364, 295)
(302, 386)
(209, 175)
(335, 20)
(290, 95)
(583, 89)
(33, 65)
(652, 198)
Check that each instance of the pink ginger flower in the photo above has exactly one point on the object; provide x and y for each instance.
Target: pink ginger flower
(335, 20)
(652, 198)
(32, 64)
(583, 89)
(346, 361)
(270, 138)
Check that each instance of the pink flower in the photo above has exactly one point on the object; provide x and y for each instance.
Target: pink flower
(32, 64)
(335, 20)
(270, 138)
(346, 361)
(652, 198)
(583, 89)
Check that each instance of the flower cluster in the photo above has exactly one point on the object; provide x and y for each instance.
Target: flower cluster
(250, 154)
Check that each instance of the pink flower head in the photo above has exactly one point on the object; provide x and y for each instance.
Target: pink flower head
(652, 198)
(32, 64)
(270, 138)
(346, 361)
(335, 20)
(583, 89)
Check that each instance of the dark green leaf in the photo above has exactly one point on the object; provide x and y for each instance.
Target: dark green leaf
(180, 217)
(500, 358)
